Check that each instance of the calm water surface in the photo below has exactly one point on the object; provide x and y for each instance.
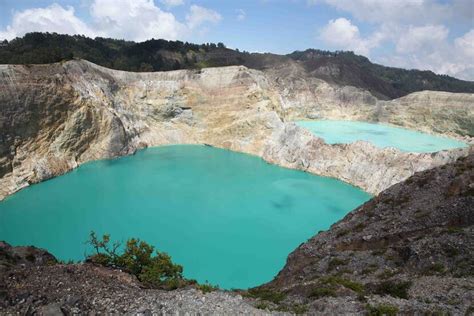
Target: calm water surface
(345, 132)
(228, 218)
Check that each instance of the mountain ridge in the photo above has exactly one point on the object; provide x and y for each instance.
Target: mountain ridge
(340, 67)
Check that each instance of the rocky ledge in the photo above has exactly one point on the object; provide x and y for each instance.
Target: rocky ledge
(32, 282)
(56, 117)
(409, 250)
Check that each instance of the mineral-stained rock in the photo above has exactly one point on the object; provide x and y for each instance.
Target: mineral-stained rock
(55, 117)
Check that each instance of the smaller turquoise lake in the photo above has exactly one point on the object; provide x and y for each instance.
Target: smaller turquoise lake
(380, 135)
(228, 218)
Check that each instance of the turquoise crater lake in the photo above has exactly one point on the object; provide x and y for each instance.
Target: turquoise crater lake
(380, 135)
(228, 218)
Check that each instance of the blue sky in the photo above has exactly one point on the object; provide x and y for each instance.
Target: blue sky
(425, 34)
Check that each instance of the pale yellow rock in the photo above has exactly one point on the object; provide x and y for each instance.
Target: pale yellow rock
(55, 117)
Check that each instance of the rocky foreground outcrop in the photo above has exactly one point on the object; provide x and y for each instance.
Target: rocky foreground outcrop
(410, 251)
(32, 282)
(55, 117)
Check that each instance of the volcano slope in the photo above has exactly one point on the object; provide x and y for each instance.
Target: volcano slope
(409, 250)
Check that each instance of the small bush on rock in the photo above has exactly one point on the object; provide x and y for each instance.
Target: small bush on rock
(206, 287)
(382, 310)
(395, 289)
(137, 258)
(266, 294)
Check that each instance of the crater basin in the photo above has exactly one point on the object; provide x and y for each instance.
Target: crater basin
(380, 135)
(230, 219)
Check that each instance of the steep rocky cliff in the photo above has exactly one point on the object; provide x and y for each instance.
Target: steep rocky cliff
(410, 251)
(411, 247)
(55, 117)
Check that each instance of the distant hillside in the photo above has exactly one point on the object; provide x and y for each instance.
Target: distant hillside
(344, 68)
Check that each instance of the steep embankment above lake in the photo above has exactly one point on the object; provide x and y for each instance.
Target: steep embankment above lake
(54, 117)
(410, 249)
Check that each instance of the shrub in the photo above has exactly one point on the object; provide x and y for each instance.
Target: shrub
(436, 268)
(206, 287)
(395, 289)
(137, 258)
(266, 294)
(381, 310)
(334, 280)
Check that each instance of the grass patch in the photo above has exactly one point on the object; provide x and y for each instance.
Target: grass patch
(262, 305)
(381, 310)
(342, 232)
(454, 230)
(368, 270)
(379, 252)
(207, 288)
(322, 292)
(437, 268)
(451, 251)
(334, 280)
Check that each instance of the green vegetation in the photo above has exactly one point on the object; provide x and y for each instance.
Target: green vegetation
(137, 258)
(319, 292)
(370, 269)
(360, 227)
(328, 286)
(206, 287)
(381, 310)
(354, 286)
(151, 55)
(454, 230)
(160, 55)
(266, 294)
(436, 268)
(262, 305)
(395, 289)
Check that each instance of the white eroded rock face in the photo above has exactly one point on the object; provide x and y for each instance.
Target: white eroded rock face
(55, 117)
(305, 97)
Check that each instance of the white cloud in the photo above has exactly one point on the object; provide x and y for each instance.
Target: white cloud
(454, 58)
(53, 18)
(465, 45)
(241, 15)
(415, 28)
(386, 11)
(342, 34)
(426, 38)
(136, 20)
(172, 3)
(200, 15)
